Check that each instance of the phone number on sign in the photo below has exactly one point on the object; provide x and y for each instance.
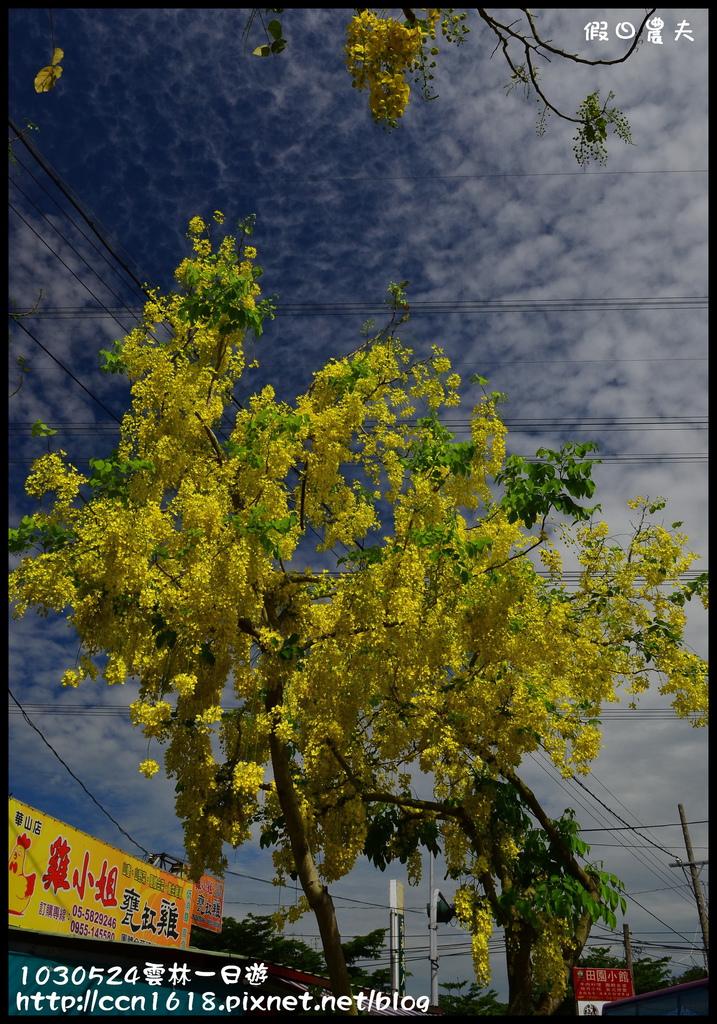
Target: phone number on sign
(90, 931)
(93, 916)
(91, 923)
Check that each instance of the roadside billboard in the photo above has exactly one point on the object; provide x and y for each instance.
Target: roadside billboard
(207, 903)
(64, 881)
(595, 986)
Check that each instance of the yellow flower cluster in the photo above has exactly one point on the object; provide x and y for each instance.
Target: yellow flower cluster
(549, 972)
(289, 915)
(247, 778)
(474, 914)
(379, 54)
(49, 473)
(184, 684)
(154, 718)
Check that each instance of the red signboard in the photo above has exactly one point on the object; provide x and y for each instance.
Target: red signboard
(602, 983)
(207, 900)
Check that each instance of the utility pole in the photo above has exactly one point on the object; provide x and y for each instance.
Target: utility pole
(692, 864)
(628, 947)
(433, 938)
(398, 956)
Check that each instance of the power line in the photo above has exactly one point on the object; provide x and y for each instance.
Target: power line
(114, 710)
(68, 371)
(76, 226)
(67, 192)
(214, 182)
(647, 858)
(630, 828)
(68, 268)
(616, 815)
(513, 425)
(78, 780)
(76, 252)
(444, 307)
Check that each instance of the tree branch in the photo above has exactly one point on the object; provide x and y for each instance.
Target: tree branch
(528, 46)
(221, 456)
(580, 875)
(581, 60)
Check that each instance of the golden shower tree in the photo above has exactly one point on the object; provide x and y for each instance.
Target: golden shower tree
(326, 601)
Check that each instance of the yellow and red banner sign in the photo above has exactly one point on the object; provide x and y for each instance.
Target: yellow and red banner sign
(207, 903)
(63, 880)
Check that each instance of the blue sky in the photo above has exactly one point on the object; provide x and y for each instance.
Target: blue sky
(162, 115)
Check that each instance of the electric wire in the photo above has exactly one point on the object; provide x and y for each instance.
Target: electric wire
(75, 201)
(136, 316)
(384, 177)
(631, 828)
(427, 307)
(582, 785)
(75, 777)
(595, 426)
(68, 371)
(647, 858)
(65, 265)
(120, 711)
(112, 264)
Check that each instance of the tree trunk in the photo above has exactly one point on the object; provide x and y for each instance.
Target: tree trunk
(519, 937)
(548, 1004)
(316, 892)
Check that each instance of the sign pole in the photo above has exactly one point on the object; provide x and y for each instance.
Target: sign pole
(398, 958)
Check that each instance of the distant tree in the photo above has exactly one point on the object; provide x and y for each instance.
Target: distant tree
(256, 937)
(367, 947)
(476, 1002)
(692, 974)
(386, 57)
(647, 974)
(317, 599)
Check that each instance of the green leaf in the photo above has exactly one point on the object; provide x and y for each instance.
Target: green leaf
(39, 429)
(205, 653)
(166, 638)
(24, 537)
(47, 78)
(533, 489)
(112, 358)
